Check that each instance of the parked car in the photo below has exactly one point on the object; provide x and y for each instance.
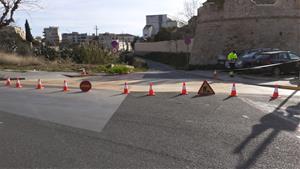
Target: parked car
(266, 58)
(248, 58)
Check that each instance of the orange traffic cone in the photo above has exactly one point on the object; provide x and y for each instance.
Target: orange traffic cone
(151, 91)
(66, 88)
(8, 82)
(126, 90)
(39, 85)
(233, 91)
(184, 90)
(276, 92)
(18, 84)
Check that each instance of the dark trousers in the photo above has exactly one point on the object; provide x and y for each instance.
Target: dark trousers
(232, 65)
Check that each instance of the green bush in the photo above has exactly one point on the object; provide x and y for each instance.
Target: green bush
(92, 54)
(120, 69)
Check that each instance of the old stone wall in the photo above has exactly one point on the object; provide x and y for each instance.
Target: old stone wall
(173, 46)
(245, 24)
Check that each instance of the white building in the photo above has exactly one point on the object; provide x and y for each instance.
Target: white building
(124, 40)
(74, 38)
(155, 22)
(51, 36)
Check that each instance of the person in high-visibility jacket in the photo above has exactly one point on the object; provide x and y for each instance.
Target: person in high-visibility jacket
(232, 58)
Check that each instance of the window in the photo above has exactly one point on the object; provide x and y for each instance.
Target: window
(294, 57)
(283, 56)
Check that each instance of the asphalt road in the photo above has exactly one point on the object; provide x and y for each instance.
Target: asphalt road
(89, 111)
(165, 131)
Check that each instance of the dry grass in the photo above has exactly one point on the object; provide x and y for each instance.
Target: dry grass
(10, 59)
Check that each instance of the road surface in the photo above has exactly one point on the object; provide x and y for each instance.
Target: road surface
(103, 129)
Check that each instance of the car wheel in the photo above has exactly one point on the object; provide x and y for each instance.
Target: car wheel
(276, 72)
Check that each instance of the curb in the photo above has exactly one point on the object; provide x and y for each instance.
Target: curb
(283, 87)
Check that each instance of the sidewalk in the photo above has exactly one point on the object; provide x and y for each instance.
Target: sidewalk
(164, 81)
(285, 82)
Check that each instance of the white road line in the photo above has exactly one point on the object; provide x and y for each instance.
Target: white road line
(246, 117)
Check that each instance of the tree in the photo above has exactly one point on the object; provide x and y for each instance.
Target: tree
(190, 8)
(9, 7)
(165, 34)
(29, 37)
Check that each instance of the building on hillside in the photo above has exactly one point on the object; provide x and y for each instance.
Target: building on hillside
(124, 40)
(51, 36)
(148, 31)
(223, 26)
(104, 40)
(39, 39)
(74, 38)
(14, 30)
(154, 23)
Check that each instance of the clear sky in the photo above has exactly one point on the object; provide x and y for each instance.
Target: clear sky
(116, 16)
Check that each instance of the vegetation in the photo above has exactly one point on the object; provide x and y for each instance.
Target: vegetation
(121, 69)
(91, 58)
(92, 54)
(9, 7)
(10, 59)
(29, 37)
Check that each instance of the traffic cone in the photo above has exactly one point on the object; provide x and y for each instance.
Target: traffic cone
(151, 91)
(215, 74)
(276, 92)
(8, 82)
(66, 88)
(83, 72)
(39, 85)
(18, 84)
(184, 90)
(126, 90)
(233, 91)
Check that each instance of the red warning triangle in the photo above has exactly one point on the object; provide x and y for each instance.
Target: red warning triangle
(206, 89)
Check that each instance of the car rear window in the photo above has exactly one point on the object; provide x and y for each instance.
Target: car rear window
(294, 57)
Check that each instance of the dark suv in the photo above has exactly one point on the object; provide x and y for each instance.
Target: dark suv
(248, 58)
(274, 57)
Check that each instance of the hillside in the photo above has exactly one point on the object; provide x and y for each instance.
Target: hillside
(13, 40)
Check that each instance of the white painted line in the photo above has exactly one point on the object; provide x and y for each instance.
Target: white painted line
(298, 137)
(246, 117)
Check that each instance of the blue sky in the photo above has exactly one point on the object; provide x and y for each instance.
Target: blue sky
(116, 16)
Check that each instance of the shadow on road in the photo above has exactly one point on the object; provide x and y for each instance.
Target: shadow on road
(227, 98)
(276, 121)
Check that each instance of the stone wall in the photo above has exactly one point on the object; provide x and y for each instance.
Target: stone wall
(243, 24)
(163, 46)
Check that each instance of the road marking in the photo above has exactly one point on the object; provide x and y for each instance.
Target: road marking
(189, 121)
(298, 137)
(246, 117)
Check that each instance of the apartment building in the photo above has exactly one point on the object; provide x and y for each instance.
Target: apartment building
(51, 36)
(154, 23)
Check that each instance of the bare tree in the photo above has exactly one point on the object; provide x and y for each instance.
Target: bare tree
(9, 7)
(190, 8)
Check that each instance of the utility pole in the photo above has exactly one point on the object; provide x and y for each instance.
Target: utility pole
(96, 28)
